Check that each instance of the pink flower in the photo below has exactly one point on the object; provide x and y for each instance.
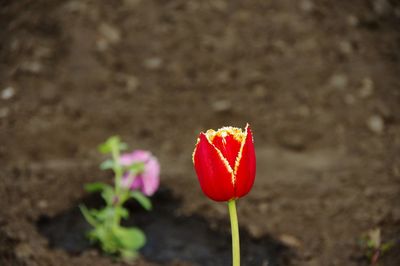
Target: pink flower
(148, 179)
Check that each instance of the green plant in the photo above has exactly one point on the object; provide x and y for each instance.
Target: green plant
(374, 246)
(136, 176)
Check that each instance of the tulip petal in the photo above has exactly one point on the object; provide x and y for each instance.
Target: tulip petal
(245, 167)
(229, 146)
(213, 171)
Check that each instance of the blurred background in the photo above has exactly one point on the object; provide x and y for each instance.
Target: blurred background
(318, 81)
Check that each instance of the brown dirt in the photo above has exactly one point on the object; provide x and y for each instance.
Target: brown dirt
(317, 80)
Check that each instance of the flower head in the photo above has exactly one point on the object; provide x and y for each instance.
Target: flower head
(225, 162)
(146, 177)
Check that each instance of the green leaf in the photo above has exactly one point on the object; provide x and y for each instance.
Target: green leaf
(108, 195)
(109, 242)
(128, 255)
(122, 212)
(106, 147)
(110, 143)
(107, 192)
(129, 238)
(92, 235)
(96, 186)
(142, 199)
(387, 246)
(371, 244)
(107, 164)
(88, 216)
(103, 215)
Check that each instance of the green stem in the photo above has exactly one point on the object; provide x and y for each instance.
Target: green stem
(235, 233)
(117, 168)
(116, 219)
(121, 200)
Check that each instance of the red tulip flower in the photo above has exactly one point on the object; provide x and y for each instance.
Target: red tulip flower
(225, 162)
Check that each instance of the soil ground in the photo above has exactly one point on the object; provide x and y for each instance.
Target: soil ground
(317, 80)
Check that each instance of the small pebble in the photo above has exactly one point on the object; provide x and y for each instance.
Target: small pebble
(338, 81)
(369, 192)
(132, 83)
(7, 93)
(34, 67)
(153, 63)
(313, 262)
(260, 91)
(43, 204)
(255, 231)
(381, 7)
(220, 5)
(308, 45)
(345, 47)
(306, 6)
(263, 207)
(290, 241)
(376, 124)
(304, 111)
(352, 20)
(23, 251)
(75, 6)
(110, 33)
(224, 76)
(43, 52)
(367, 88)
(221, 106)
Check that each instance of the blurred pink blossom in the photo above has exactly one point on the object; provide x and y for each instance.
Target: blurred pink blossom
(148, 179)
